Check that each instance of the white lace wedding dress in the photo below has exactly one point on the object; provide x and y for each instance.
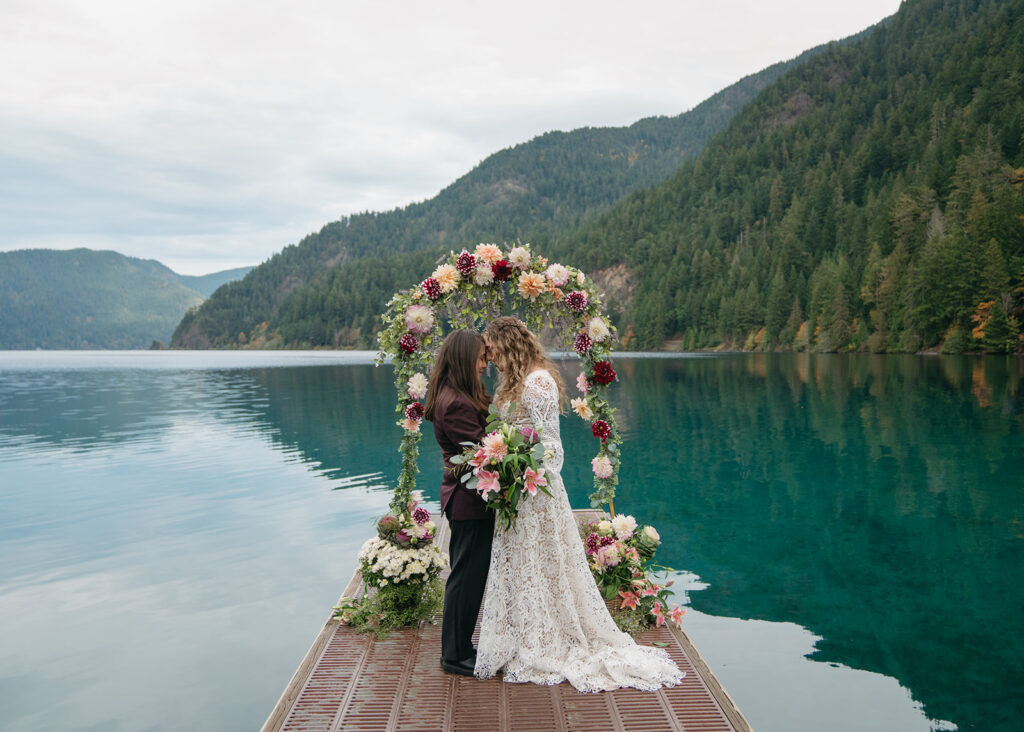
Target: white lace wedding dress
(544, 620)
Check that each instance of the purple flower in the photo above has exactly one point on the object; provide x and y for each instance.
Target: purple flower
(529, 434)
(593, 543)
(576, 301)
(466, 264)
(421, 515)
(403, 536)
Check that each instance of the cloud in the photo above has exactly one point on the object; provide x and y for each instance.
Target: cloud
(208, 129)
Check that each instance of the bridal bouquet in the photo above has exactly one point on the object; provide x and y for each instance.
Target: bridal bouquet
(621, 557)
(505, 467)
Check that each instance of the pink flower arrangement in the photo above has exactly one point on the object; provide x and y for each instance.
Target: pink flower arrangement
(505, 468)
(621, 558)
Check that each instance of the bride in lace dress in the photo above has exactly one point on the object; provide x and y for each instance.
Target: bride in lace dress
(544, 620)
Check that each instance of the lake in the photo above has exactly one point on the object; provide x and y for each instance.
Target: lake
(847, 530)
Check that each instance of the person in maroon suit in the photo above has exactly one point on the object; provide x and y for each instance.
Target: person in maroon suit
(457, 404)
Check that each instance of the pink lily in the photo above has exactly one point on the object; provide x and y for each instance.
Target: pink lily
(629, 600)
(487, 482)
(534, 479)
(650, 591)
(677, 614)
(479, 459)
(658, 613)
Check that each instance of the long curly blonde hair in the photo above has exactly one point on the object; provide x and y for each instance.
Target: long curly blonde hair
(516, 352)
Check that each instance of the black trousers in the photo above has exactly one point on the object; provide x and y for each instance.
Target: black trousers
(470, 554)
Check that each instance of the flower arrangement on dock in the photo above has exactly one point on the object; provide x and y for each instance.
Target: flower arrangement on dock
(401, 569)
(621, 558)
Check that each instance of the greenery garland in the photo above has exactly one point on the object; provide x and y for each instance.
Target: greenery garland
(467, 290)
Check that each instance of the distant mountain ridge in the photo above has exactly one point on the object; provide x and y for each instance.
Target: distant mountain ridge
(82, 298)
(329, 288)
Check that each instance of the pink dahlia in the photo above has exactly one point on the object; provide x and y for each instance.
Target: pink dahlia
(466, 264)
(494, 445)
(502, 270)
(581, 383)
(601, 429)
(432, 288)
(408, 343)
(576, 301)
(604, 374)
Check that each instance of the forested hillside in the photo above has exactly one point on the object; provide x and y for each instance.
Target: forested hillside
(319, 293)
(83, 298)
(207, 284)
(87, 299)
(872, 198)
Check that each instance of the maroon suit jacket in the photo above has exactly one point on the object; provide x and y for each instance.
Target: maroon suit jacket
(456, 421)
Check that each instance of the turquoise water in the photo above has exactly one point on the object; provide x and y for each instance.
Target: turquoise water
(174, 528)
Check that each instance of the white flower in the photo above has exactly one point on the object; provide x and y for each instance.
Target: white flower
(558, 274)
(652, 533)
(483, 276)
(417, 386)
(419, 319)
(410, 425)
(624, 526)
(604, 526)
(581, 408)
(602, 468)
(580, 279)
(519, 257)
(597, 329)
(416, 496)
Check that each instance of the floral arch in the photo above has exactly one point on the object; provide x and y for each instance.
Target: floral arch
(468, 290)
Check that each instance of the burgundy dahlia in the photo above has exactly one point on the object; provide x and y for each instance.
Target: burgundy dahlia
(593, 543)
(414, 411)
(502, 270)
(604, 374)
(601, 429)
(576, 301)
(582, 344)
(421, 515)
(607, 540)
(431, 288)
(408, 343)
(466, 264)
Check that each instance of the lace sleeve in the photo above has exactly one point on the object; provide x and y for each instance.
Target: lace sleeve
(540, 402)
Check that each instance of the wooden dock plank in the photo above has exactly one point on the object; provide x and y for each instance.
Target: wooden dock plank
(351, 681)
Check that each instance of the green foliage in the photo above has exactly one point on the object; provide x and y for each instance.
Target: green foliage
(393, 606)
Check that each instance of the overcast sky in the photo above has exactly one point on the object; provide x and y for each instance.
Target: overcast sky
(210, 134)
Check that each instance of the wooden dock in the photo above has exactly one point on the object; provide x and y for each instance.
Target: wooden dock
(352, 681)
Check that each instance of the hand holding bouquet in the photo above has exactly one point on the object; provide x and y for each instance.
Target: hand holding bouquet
(505, 467)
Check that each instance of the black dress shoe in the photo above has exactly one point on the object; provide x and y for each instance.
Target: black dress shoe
(462, 668)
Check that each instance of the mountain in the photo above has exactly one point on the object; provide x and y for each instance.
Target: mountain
(870, 199)
(90, 299)
(207, 284)
(329, 288)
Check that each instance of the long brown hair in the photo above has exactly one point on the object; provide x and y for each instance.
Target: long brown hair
(456, 367)
(516, 351)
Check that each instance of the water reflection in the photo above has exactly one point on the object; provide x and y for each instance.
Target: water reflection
(873, 501)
